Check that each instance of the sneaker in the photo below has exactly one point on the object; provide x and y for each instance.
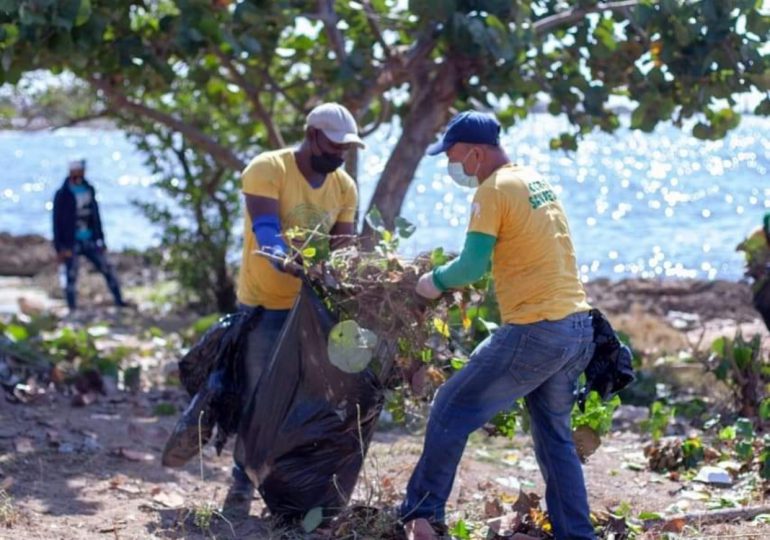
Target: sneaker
(420, 529)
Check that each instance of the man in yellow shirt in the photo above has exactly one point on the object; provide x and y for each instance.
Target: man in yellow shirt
(756, 248)
(544, 343)
(303, 190)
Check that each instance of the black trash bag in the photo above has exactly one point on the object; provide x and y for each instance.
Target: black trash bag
(196, 366)
(304, 436)
(611, 367)
(211, 372)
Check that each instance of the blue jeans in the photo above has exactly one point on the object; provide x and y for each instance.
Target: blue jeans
(96, 255)
(539, 361)
(259, 348)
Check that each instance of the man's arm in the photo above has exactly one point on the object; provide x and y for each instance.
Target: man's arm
(265, 224)
(470, 266)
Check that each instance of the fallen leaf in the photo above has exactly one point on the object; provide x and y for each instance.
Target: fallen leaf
(53, 437)
(169, 499)
(492, 508)
(132, 455)
(504, 526)
(313, 519)
(526, 502)
(675, 525)
(23, 445)
(83, 400)
(419, 381)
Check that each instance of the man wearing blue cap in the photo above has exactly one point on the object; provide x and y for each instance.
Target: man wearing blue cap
(756, 248)
(544, 343)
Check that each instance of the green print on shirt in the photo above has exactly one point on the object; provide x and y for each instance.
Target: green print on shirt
(541, 193)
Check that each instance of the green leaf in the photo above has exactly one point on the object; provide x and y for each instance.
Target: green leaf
(313, 519)
(404, 227)
(438, 257)
(727, 433)
(460, 531)
(84, 12)
(374, 219)
(309, 252)
(744, 428)
(743, 356)
(16, 332)
(9, 33)
(719, 345)
(764, 409)
(350, 347)
(458, 363)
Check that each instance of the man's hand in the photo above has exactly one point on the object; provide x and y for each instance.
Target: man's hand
(63, 255)
(426, 288)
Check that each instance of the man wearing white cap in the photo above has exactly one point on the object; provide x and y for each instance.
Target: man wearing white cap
(301, 189)
(77, 230)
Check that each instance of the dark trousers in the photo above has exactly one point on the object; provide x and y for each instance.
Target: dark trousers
(259, 347)
(96, 255)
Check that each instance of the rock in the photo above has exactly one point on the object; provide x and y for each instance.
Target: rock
(25, 255)
(629, 416)
(714, 475)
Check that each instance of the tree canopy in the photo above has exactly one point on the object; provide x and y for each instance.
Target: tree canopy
(235, 77)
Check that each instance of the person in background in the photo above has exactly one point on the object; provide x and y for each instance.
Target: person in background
(303, 189)
(756, 249)
(543, 344)
(77, 230)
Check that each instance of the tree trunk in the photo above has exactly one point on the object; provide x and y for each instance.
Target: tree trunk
(428, 113)
(225, 291)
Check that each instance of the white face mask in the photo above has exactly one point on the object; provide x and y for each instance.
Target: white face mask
(458, 175)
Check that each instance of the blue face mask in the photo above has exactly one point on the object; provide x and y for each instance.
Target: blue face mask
(459, 176)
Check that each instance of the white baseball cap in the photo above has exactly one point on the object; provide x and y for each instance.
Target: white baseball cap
(336, 122)
(77, 164)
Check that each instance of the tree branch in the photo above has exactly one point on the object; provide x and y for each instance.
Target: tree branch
(328, 16)
(372, 17)
(80, 119)
(575, 14)
(252, 92)
(218, 152)
(283, 91)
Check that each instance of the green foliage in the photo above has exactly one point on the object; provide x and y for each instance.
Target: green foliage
(206, 85)
(461, 530)
(165, 409)
(658, 421)
(764, 458)
(692, 451)
(739, 364)
(200, 326)
(597, 415)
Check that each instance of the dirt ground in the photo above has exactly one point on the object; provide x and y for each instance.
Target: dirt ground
(93, 472)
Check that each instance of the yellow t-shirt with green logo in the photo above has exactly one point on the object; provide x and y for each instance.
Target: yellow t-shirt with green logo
(275, 175)
(533, 263)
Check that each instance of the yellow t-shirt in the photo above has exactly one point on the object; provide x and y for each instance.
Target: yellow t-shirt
(533, 263)
(276, 175)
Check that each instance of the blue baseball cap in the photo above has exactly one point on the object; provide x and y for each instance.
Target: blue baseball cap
(468, 127)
